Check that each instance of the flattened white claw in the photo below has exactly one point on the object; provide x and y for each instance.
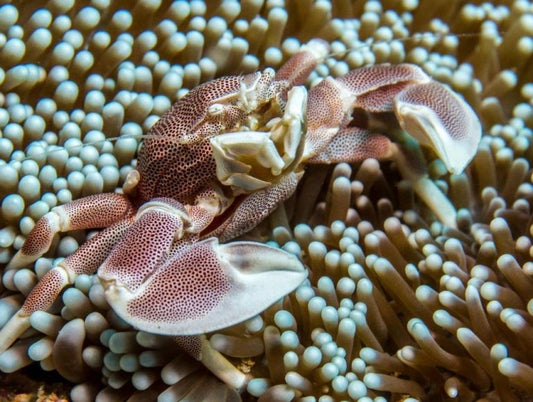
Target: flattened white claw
(208, 286)
(440, 119)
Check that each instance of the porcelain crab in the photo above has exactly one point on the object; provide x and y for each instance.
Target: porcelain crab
(215, 165)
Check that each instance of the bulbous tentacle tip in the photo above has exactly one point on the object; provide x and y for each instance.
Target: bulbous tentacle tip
(318, 47)
(440, 119)
(11, 331)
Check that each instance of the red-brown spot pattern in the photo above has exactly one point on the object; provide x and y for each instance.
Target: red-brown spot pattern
(176, 159)
(40, 239)
(97, 211)
(437, 98)
(188, 286)
(144, 246)
(44, 293)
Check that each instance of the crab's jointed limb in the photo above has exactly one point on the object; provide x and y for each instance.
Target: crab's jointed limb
(111, 211)
(426, 110)
(95, 211)
(161, 280)
(85, 260)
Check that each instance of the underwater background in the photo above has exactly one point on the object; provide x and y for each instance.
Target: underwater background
(397, 305)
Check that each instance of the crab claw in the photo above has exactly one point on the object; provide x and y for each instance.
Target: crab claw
(438, 118)
(206, 286)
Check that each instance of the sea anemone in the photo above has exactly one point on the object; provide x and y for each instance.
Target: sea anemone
(398, 305)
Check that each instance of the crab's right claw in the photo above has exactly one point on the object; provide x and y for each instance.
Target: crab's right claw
(206, 286)
(440, 119)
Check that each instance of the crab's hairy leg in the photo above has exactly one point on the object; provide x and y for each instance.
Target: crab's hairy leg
(85, 260)
(296, 70)
(352, 145)
(198, 347)
(249, 211)
(95, 211)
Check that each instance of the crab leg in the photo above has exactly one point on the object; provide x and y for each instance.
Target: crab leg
(95, 211)
(253, 209)
(353, 144)
(198, 346)
(84, 260)
(296, 70)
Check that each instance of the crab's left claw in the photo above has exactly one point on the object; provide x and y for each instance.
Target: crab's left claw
(206, 286)
(428, 111)
(438, 118)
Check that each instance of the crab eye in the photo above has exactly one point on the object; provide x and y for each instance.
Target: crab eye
(215, 109)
